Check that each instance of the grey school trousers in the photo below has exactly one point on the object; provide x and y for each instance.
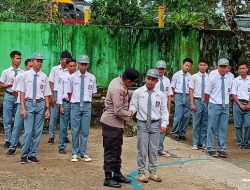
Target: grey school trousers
(147, 142)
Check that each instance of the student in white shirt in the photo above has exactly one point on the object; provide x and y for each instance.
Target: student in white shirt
(19, 121)
(55, 78)
(164, 86)
(217, 93)
(9, 102)
(198, 106)
(180, 87)
(34, 93)
(64, 105)
(150, 106)
(82, 86)
(241, 106)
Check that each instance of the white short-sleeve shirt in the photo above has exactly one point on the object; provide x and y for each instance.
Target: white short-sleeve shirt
(213, 88)
(167, 86)
(159, 109)
(25, 85)
(14, 86)
(62, 92)
(177, 81)
(241, 88)
(196, 83)
(8, 76)
(75, 87)
(56, 75)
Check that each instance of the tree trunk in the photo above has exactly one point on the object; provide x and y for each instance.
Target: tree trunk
(241, 36)
(248, 4)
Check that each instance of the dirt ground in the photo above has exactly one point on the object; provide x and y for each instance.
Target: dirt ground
(184, 170)
(238, 157)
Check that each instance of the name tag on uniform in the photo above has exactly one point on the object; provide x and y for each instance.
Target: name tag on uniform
(157, 104)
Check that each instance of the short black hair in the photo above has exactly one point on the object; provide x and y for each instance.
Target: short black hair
(13, 53)
(130, 74)
(27, 61)
(203, 60)
(187, 60)
(242, 63)
(66, 54)
(70, 60)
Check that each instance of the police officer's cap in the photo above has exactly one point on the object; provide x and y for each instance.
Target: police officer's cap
(223, 61)
(66, 54)
(153, 73)
(161, 64)
(130, 74)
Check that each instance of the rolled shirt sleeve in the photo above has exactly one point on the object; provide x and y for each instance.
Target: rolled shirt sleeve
(234, 87)
(134, 102)
(47, 90)
(164, 112)
(52, 75)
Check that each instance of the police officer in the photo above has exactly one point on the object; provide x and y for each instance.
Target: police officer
(180, 87)
(198, 106)
(82, 86)
(153, 118)
(113, 118)
(217, 93)
(34, 93)
(64, 104)
(241, 106)
(55, 78)
(18, 124)
(9, 102)
(163, 85)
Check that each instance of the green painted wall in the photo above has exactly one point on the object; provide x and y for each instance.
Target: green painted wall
(111, 50)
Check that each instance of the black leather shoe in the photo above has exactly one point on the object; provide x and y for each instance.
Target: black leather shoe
(120, 178)
(67, 140)
(110, 182)
(19, 145)
(7, 144)
(51, 141)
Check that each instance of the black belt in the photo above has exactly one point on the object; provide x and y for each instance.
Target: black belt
(180, 93)
(197, 98)
(245, 102)
(31, 100)
(9, 92)
(65, 100)
(152, 121)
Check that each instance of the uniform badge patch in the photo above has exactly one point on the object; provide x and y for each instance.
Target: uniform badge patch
(157, 104)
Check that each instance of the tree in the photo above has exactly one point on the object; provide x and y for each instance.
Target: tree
(25, 11)
(242, 38)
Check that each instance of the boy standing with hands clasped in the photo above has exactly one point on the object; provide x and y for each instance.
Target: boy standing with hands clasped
(153, 118)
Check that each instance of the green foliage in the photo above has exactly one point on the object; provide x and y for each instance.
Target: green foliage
(115, 12)
(181, 13)
(24, 10)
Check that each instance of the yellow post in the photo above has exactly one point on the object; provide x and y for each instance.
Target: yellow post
(55, 8)
(87, 14)
(161, 13)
